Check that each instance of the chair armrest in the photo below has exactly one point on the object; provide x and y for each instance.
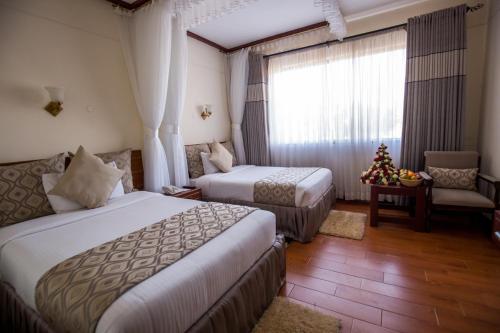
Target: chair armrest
(496, 184)
(425, 176)
(489, 179)
(428, 181)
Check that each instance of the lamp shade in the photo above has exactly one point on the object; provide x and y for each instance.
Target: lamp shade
(56, 93)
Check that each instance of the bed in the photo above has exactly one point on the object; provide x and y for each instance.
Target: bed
(211, 289)
(299, 219)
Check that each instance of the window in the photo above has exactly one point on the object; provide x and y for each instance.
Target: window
(345, 98)
(347, 91)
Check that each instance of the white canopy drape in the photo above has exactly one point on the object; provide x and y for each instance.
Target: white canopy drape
(238, 82)
(146, 43)
(170, 130)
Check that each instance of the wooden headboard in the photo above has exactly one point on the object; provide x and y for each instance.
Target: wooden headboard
(137, 169)
(136, 166)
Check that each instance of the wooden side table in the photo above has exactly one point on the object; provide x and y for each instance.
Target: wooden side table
(191, 193)
(418, 220)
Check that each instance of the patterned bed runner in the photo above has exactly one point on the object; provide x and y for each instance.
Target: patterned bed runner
(73, 295)
(279, 188)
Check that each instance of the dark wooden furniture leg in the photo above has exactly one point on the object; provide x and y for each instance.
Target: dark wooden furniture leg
(374, 206)
(420, 214)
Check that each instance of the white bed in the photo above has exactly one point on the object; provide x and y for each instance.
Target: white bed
(170, 301)
(239, 184)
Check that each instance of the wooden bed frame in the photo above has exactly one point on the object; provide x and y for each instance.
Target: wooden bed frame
(136, 166)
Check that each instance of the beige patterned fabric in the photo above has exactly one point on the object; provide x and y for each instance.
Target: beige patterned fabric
(230, 148)
(195, 165)
(22, 196)
(461, 179)
(221, 157)
(123, 160)
(279, 188)
(88, 180)
(73, 295)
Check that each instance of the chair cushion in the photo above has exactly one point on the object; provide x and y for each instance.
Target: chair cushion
(453, 197)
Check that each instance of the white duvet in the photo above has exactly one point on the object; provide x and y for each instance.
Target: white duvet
(170, 301)
(239, 183)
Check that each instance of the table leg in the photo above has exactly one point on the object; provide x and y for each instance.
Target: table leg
(373, 206)
(420, 219)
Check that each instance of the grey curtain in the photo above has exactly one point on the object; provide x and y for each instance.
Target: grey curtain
(255, 127)
(435, 85)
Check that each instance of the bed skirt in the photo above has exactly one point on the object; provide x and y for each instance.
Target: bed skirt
(298, 223)
(238, 310)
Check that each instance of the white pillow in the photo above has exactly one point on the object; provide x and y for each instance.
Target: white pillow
(60, 204)
(208, 167)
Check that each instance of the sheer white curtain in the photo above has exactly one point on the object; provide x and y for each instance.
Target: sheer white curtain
(238, 82)
(146, 43)
(332, 107)
(170, 133)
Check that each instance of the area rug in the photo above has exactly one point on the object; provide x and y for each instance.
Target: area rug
(344, 224)
(283, 316)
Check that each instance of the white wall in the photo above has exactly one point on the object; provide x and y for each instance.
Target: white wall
(490, 120)
(206, 85)
(74, 44)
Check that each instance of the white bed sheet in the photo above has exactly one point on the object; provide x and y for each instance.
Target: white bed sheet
(239, 184)
(171, 300)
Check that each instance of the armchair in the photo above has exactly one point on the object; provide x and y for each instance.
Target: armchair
(460, 200)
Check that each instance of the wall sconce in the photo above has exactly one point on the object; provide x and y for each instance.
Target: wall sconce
(206, 111)
(56, 95)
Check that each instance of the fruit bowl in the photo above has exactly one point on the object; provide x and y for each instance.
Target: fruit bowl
(410, 182)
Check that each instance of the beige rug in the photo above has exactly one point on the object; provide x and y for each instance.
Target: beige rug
(344, 224)
(283, 316)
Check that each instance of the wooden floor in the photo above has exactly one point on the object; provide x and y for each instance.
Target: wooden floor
(398, 280)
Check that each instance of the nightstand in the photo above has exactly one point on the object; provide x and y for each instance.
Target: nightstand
(191, 193)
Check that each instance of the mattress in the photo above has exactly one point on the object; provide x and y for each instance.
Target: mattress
(171, 300)
(239, 184)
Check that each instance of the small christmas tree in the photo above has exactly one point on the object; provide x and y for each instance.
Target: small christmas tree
(382, 171)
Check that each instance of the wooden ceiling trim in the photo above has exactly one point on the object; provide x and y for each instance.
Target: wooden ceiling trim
(207, 41)
(137, 4)
(280, 35)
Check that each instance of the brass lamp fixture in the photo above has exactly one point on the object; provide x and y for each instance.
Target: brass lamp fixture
(206, 111)
(56, 94)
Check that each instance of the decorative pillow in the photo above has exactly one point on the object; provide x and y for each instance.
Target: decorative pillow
(462, 179)
(208, 167)
(87, 180)
(123, 161)
(60, 204)
(221, 157)
(195, 165)
(21, 191)
(230, 148)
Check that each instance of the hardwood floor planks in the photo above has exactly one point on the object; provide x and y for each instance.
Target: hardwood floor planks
(398, 280)
(337, 304)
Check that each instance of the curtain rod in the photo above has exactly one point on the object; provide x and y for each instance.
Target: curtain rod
(470, 9)
(394, 27)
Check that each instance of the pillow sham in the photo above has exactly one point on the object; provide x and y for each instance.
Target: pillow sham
(123, 160)
(461, 179)
(230, 148)
(208, 167)
(87, 180)
(21, 191)
(60, 204)
(195, 165)
(221, 157)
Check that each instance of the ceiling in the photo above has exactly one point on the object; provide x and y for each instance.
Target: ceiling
(266, 18)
